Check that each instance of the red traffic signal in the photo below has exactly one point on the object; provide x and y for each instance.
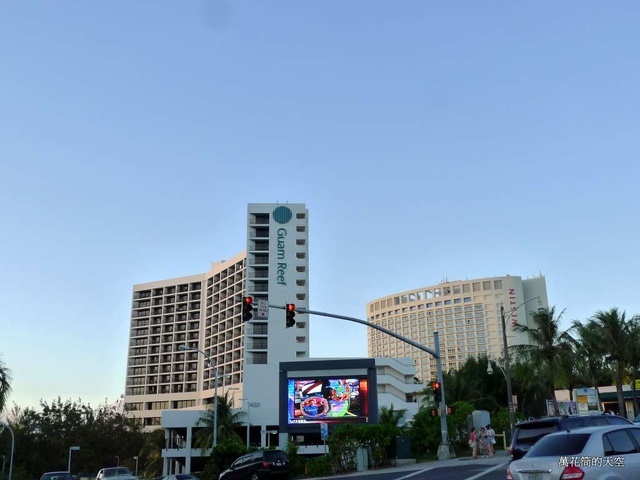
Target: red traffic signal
(247, 308)
(437, 393)
(290, 310)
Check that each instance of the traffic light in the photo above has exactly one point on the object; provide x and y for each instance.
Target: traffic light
(451, 410)
(434, 412)
(290, 308)
(437, 393)
(247, 308)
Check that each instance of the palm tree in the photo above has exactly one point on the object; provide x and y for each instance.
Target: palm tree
(548, 345)
(5, 385)
(227, 423)
(612, 327)
(392, 417)
(633, 331)
(589, 351)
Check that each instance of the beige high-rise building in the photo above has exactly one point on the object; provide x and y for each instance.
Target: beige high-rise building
(466, 315)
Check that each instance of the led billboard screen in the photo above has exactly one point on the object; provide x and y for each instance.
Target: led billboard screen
(331, 400)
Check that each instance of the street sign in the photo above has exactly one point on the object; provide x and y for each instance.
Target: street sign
(254, 404)
(324, 431)
(262, 312)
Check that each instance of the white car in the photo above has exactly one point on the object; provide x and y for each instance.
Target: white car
(115, 473)
(592, 453)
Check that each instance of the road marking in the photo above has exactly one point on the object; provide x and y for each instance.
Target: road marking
(415, 473)
(482, 474)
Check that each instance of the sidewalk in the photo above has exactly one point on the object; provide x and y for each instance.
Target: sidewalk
(501, 457)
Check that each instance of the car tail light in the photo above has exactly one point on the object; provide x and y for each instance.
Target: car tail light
(265, 464)
(572, 473)
(509, 476)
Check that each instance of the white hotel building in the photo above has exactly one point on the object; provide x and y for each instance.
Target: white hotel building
(466, 314)
(204, 311)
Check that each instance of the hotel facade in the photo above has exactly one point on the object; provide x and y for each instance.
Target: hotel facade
(204, 311)
(466, 314)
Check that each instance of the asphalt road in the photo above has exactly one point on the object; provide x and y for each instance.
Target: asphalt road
(461, 471)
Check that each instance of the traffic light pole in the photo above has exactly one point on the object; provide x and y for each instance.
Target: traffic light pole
(444, 449)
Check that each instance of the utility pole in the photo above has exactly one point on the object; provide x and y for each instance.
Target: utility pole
(507, 373)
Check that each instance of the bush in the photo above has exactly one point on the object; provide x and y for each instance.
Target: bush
(320, 467)
(222, 456)
(296, 462)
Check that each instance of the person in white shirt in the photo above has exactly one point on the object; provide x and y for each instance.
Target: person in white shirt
(491, 440)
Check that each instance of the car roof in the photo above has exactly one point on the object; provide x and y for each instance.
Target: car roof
(559, 418)
(589, 430)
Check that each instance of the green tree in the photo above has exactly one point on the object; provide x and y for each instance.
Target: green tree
(43, 437)
(589, 351)
(5, 385)
(613, 329)
(633, 356)
(548, 345)
(393, 418)
(228, 423)
(151, 454)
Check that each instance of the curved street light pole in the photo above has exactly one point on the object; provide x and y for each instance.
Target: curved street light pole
(215, 389)
(13, 441)
(507, 362)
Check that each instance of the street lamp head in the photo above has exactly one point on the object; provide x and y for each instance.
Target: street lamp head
(74, 448)
(135, 458)
(489, 369)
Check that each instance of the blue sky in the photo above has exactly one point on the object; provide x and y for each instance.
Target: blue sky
(428, 140)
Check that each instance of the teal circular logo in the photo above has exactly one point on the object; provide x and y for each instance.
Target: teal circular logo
(282, 214)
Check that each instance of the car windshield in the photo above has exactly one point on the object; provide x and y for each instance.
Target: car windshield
(559, 445)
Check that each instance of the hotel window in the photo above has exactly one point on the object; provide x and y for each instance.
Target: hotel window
(447, 302)
(300, 228)
(438, 304)
(300, 216)
(497, 284)
(486, 285)
(466, 288)
(456, 289)
(467, 299)
(457, 300)
(476, 287)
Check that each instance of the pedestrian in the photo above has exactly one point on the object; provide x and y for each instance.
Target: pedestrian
(482, 441)
(473, 443)
(491, 440)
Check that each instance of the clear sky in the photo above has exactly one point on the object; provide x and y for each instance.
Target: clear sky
(429, 140)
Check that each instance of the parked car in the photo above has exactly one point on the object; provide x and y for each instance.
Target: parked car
(591, 453)
(56, 476)
(115, 473)
(526, 434)
(257, 466)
